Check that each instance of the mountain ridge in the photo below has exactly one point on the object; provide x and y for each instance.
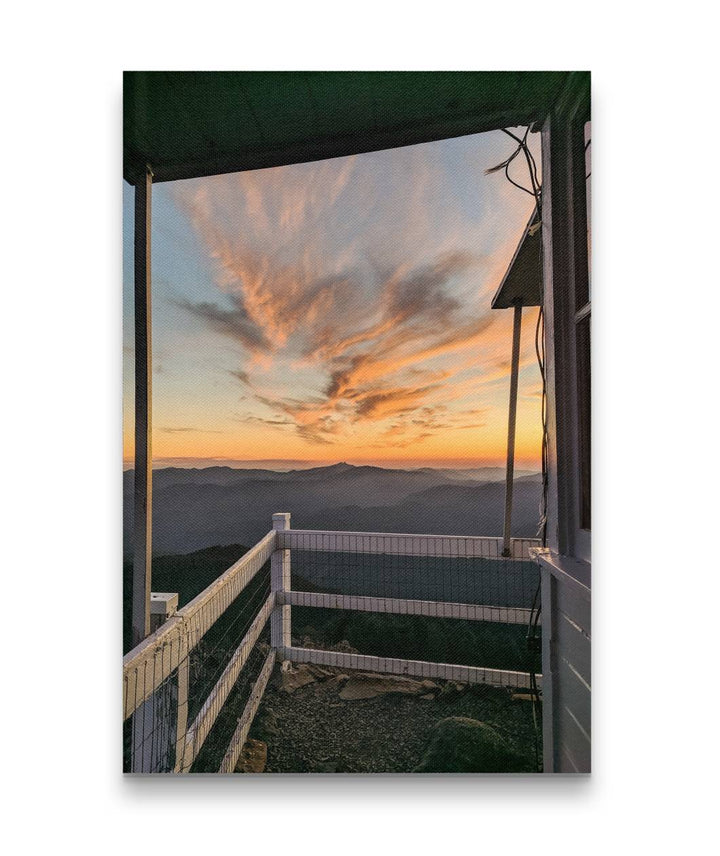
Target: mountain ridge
(198, 508)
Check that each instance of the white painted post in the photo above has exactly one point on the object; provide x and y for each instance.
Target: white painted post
(547, 594)
(280, 582)
(163, 605)
(153, 735)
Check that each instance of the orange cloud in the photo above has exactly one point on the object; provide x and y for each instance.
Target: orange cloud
(312, 278)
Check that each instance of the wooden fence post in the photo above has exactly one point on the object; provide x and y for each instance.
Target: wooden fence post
(280, 582)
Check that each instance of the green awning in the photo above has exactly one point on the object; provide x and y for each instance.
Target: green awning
(191, 124)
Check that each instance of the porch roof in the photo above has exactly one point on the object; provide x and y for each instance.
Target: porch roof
(192, 124)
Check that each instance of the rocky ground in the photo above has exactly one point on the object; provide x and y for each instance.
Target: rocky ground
(322, 720)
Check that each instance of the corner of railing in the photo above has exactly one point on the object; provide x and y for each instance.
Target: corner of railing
(281, 520)
(280, 582)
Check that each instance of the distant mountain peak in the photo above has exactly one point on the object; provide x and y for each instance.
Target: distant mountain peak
(340, 469)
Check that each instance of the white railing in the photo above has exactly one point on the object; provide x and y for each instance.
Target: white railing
(147, 669)
(152, 661)
(394, 544)
(403, 606)
(156, 674)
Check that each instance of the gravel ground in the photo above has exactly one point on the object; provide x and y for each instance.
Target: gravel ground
(314, 730)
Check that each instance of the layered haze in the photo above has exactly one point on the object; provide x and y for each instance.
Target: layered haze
(202, 507)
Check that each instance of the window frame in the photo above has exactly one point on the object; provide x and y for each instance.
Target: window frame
(567, 309)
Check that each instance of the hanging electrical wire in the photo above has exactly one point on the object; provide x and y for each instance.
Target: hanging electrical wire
(536, 192)
(535, 611)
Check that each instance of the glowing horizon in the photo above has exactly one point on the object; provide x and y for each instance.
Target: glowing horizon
(338, 311)
(292, 463)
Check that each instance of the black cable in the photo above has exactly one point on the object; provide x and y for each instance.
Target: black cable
(587, 146)
(519, 186)
(540, 354)
(535, 696)
(535, 610)
(532, 166)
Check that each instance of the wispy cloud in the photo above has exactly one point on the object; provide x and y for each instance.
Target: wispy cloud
(189, 430)
(235, 322)
(241, 375)
(414, 427)
(249, 418)
(365, 280)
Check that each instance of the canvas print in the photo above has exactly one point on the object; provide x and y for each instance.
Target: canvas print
(357, 440)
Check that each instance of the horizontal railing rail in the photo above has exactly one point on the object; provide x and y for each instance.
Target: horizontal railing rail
(414, 668)
(402, 606)
(393, 544)
(237, 741)
(210, 710)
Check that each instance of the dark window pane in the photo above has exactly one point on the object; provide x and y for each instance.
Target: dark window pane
(584, 409)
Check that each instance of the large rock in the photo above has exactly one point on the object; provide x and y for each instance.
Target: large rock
(369, 685)
(252, 758)
(462, 745)
(267, 723)
(344, 647)
(302, 674)
(452, 689)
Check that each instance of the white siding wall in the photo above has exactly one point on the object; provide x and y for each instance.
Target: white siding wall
(568, 686)
(566, 565)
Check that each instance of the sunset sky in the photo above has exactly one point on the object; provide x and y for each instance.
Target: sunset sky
(338, 311)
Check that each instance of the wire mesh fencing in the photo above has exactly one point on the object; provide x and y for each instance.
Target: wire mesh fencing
(448, 570)
(177, 682)
(448, 600)
(434, 607)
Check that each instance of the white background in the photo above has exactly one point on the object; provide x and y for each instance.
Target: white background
(655, 321)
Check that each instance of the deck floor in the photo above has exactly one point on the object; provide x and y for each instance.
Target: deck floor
(313, 729)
